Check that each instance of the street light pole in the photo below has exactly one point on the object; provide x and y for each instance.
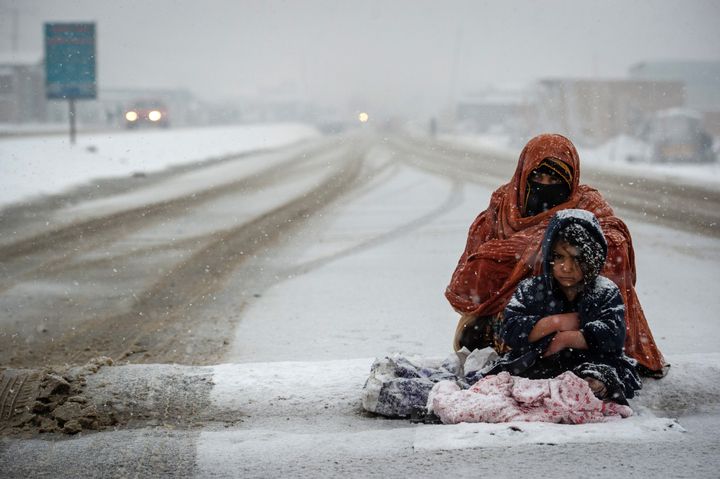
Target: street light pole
(71, 112)
(15, 29)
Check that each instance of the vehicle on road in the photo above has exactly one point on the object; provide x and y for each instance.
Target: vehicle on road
(151, 113)
(676, 136)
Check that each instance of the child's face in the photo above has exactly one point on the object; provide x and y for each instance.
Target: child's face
(566, 268)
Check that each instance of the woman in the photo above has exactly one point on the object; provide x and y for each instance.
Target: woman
(503, 247)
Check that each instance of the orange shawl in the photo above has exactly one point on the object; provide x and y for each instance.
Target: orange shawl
(503, 247)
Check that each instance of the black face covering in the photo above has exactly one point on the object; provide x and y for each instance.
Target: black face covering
(545, 197)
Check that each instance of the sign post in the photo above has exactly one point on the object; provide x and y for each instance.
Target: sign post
(70, 65)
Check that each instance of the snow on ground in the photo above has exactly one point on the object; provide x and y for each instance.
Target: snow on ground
(382, 261)
(613, 155)
(375, 276)
(10, 129)
(369, 283)
(197, 181)
(678, 274)
(305, 412)
(31, 166)
(380, 265)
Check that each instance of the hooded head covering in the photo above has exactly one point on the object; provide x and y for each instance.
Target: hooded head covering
(582, 230)
(504, 246)
(555, 155)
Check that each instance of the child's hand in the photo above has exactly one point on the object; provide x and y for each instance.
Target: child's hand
(553, 324)
(556, 345)
(565, 340)
(567, 322)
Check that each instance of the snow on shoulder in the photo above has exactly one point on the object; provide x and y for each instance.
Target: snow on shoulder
(41, 165)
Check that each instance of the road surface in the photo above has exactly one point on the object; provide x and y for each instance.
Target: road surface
(317, 258)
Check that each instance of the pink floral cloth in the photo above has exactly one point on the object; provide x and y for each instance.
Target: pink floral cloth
(504, 398)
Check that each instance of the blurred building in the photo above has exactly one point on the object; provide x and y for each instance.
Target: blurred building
(276, 109)
(701, 85)
(490, 109)
(593, 111)
(22, 89)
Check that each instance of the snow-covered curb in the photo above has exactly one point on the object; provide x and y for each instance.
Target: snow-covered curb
(325, 397)
(318, 404)
(334, 388)
(692, 384)
(311, 388)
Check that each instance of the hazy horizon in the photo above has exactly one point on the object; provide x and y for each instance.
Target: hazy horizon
(393, 58)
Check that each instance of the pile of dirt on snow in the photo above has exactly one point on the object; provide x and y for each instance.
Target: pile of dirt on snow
(50, 400)
(101, 394)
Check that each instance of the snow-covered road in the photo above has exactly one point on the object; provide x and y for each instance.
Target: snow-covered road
(368, 277)
(365, 279)
(372, 276)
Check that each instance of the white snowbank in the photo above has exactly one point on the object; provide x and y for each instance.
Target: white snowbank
(614, 154)
(32, 166)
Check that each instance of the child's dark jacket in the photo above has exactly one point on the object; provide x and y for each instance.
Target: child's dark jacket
(601, 311)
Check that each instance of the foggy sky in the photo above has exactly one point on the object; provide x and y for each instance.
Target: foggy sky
(406, 57)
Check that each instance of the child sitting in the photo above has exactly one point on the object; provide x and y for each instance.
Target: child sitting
(570, 318)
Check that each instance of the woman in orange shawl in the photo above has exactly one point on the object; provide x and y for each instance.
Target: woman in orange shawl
(503, 247)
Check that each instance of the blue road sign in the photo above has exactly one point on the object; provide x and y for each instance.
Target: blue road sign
(70, 60)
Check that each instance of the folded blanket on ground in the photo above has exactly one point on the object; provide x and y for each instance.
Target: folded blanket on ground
(505, 398)
(398, 386)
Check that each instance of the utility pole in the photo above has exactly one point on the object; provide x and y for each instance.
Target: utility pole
(15, 32)
(457, 52)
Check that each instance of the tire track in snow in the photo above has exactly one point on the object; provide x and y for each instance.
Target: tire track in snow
(454, 198)
(50, 249)
(213, 256)
(162, 306)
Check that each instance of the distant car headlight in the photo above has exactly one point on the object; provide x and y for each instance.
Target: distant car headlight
(154, 115)
(131, 116)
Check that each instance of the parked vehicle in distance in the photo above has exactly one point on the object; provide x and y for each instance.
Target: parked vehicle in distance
(147, 113)
(676, 135)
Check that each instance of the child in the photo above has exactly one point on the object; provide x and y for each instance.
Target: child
(570, 318)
